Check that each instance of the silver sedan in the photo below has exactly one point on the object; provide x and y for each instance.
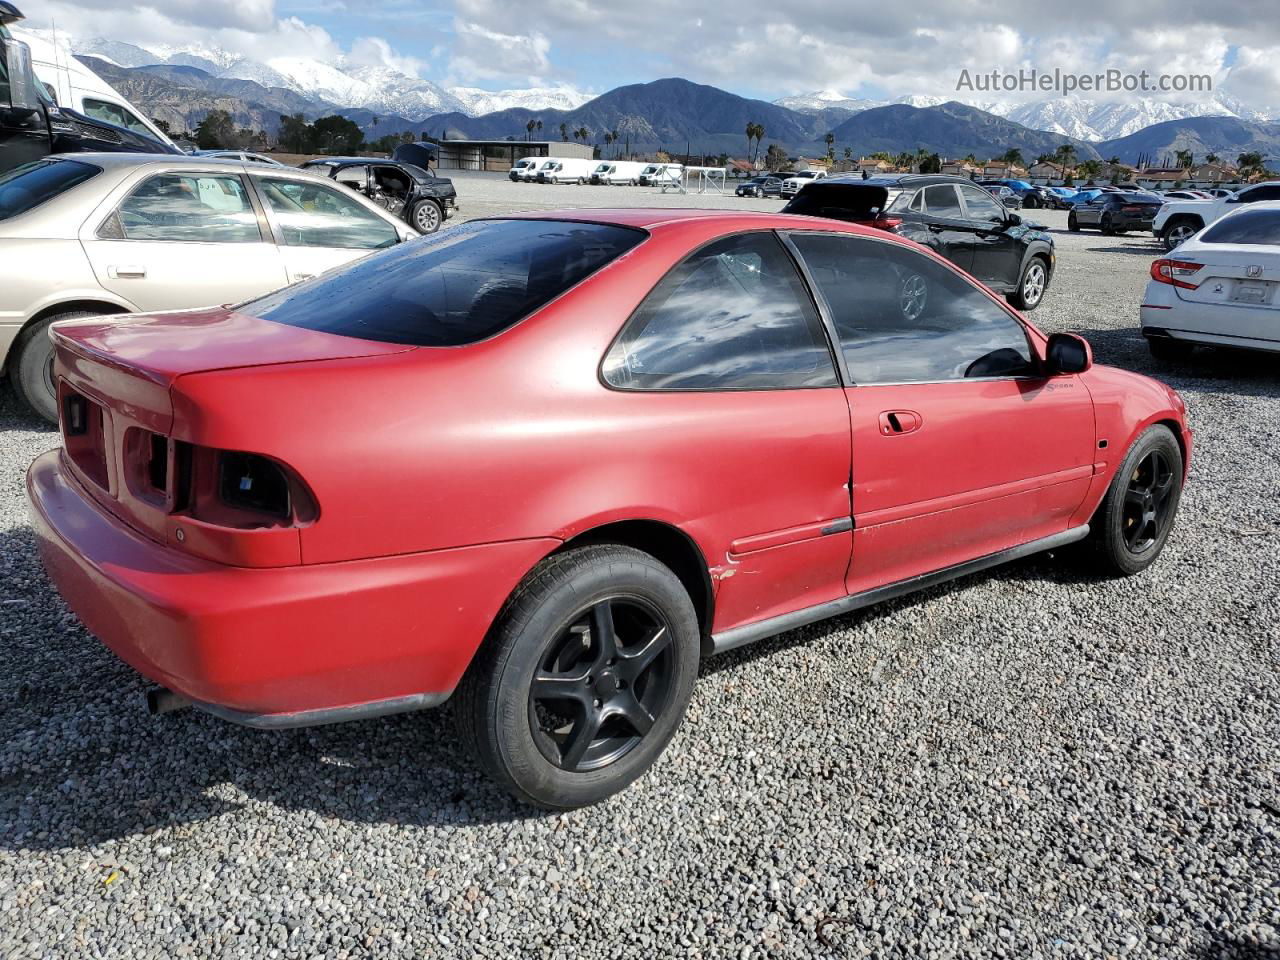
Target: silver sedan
(89, 234)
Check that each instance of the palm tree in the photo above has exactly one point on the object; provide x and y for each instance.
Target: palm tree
(830, 139)
(1114, 161)
(528, 130)
(539, 126)
(1065, 155)
(1012, 156)
(614, 134)
(848, 154)
(1210, 158)
(564, 132)
(1186, 160)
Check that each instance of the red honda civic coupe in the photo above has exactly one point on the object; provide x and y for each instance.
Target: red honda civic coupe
(543, 464)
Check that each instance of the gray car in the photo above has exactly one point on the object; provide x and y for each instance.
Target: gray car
(88, 234)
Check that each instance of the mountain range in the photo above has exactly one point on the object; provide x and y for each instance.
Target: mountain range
(181, 85)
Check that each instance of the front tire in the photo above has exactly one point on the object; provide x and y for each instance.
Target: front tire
(584, 678)
(1032, 285)
(1177, 231)
(32, 373)
(1133, 522)
(1072, 223)
(426, 216)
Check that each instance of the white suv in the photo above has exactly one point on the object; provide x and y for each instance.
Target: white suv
(791, 186)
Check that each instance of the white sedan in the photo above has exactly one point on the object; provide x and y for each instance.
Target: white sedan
(87, 234)
(1221, 287)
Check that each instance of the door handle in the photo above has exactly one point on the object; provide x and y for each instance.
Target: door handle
(126, 273)
(991, 238)
(897, 422)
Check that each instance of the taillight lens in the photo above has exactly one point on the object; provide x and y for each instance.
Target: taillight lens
(226, 488)
(881, 223)
(1175, 272)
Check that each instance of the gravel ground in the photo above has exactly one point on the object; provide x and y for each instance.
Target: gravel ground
(1025, 763)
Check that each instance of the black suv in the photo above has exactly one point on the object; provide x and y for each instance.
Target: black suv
(405, 190)
(768, 186)
(953, 217)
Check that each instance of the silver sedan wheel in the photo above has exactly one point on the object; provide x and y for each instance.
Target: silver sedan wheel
(1033, 284)
(427, 217)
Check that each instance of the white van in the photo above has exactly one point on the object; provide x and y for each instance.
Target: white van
(657, 174)
(618, 171)
(524, 168)
(566, 170)
(75, 86)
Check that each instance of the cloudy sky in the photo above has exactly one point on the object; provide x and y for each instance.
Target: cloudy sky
(754, 47)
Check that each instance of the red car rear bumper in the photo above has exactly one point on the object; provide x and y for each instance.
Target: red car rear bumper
(284, 646)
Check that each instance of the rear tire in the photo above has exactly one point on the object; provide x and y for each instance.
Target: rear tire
(426, 216)
(1132, 524)
(565, 665)
(32, 373)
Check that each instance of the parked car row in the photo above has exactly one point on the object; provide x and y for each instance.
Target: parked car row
(601, 172)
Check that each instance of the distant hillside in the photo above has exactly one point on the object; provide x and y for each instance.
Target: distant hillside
(1226, 136)
(951, 129)
(665, 113)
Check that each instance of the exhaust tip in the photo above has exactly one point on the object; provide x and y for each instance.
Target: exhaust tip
(162, 700)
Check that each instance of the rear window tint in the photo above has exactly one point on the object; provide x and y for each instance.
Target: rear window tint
(26, 187)
(839, 201)
(1248, 226)
(452, 288)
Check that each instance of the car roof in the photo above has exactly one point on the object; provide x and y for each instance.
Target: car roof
(648, 218)
(120, 161)
(897, 179)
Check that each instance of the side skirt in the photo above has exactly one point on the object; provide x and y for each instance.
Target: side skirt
(751, 632)
(315, 718)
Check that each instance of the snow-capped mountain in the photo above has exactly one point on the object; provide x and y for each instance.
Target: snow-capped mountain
(476, 102)
(1092, 120)
(820, 100)
(378, 89)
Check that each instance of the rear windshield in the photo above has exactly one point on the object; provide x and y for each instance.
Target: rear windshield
(1139, 198)
(26, 187)
(455, 287)
(1248, 226)
(839, 201)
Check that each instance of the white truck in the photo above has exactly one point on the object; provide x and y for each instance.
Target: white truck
(565, 170)
(71, 84)
(1179, 220)
(792, 184)
(524, 168)
(656, 174)
(618, 171)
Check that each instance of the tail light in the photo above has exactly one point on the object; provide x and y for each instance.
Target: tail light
(1132, 208)
(881, 223)
(224, 488)
(1175, 272)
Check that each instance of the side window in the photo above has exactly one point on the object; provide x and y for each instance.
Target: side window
(114, 113)
(355, 178)
(902, 317)
(1269, 192)
(941, 201)
(312, 215)
(186, 208)
(981, 206)
(733, 316)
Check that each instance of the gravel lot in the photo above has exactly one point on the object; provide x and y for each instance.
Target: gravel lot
(1025, 763)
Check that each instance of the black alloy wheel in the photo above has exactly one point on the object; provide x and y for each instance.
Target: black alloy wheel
(602, 684)
(1129, 529)
(1147, 501)
(584, 677)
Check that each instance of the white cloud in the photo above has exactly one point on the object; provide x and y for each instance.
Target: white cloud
(484, 53)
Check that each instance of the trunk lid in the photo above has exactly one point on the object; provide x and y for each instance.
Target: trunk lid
(1234, 274)
(114, 376)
